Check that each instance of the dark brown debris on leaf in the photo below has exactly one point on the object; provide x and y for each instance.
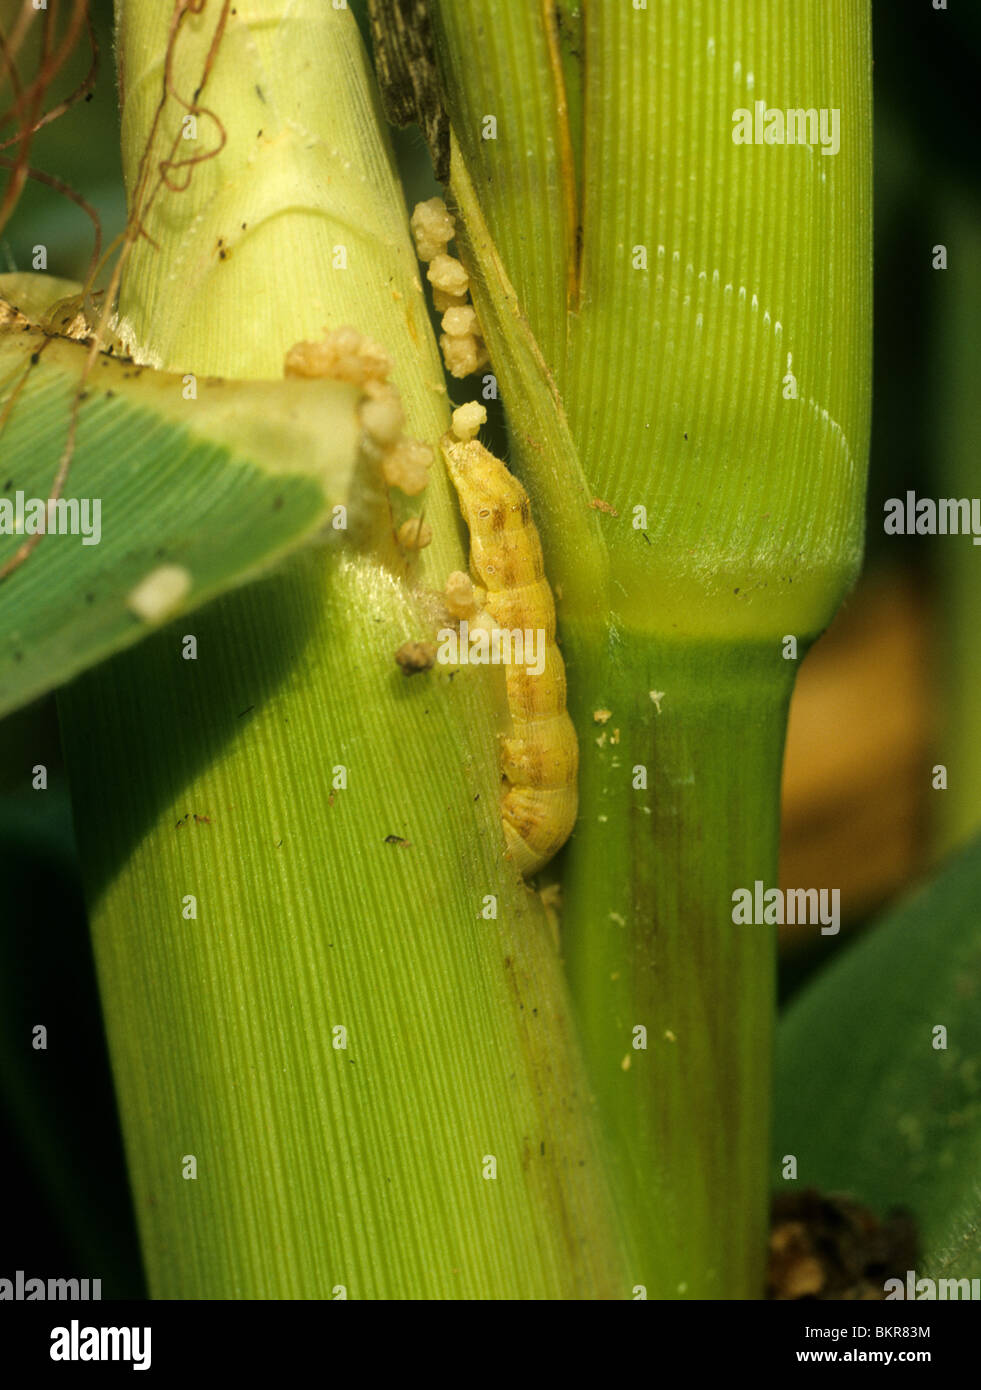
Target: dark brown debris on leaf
(405, 61)
(415, 656)
(830, 1247)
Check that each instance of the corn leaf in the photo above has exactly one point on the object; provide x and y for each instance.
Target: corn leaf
(214, 489)
(871, 1098)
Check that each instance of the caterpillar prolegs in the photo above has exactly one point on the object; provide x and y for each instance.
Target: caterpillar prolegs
(539, 755)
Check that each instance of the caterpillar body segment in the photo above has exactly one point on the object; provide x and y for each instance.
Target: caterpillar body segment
(539, 754)
(537, 822)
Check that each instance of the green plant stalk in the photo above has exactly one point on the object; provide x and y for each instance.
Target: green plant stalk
(319, 1166)
(680, 795)
(731, 501)
(365, 1168)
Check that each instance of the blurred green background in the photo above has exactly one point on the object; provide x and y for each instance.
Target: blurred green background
(887, 694)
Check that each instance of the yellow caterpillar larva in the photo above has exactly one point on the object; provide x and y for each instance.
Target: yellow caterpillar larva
(539, 755)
